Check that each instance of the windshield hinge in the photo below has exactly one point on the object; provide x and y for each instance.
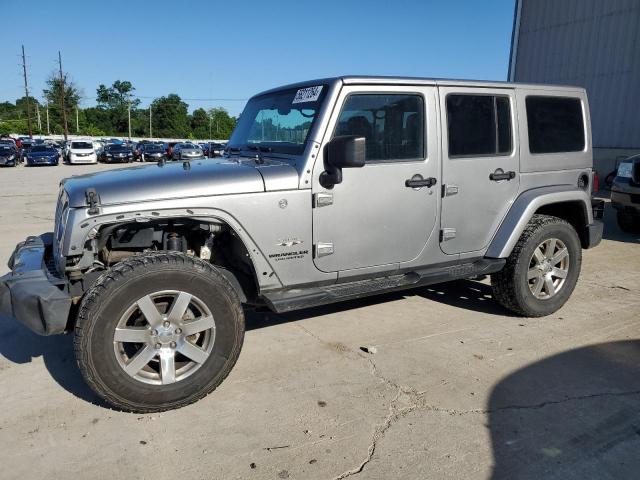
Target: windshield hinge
(93, 200)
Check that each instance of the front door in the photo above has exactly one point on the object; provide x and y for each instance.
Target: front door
(480, 165)
(374, 218)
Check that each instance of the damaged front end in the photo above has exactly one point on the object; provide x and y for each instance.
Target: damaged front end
(32, 292)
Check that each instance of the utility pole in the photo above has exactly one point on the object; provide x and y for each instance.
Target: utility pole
(38, 117)
(64, 111)
(26, 92)
(210, 125)
(48, 131)
(129, 110)
(151, 120)
(77, 122)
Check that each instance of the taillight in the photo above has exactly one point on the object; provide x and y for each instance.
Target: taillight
(596, 183)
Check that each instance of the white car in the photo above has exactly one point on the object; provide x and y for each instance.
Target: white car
(82, 151)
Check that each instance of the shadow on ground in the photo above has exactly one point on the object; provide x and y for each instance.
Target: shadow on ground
(575, 415)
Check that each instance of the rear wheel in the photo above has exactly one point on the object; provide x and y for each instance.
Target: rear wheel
(542, 270)
(158, 331)
(628, 222)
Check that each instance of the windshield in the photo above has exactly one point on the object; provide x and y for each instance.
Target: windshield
(42, 148)
(81, 145)
(152, 148)
(279, 121)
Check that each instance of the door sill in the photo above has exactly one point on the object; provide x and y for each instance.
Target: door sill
(298, 298)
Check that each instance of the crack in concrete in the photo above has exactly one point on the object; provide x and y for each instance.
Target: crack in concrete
(418, 403)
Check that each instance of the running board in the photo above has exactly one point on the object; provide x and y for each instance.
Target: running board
(297, 298)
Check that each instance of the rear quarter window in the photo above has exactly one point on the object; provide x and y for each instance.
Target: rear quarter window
(555, 124)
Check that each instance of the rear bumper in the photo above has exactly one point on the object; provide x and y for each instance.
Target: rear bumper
(30, 294)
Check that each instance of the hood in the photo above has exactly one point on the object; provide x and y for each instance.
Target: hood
(175, 180)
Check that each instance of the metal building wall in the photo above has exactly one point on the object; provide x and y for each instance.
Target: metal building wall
(589, 43)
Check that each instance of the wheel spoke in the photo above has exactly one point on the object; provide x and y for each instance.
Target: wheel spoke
(168, 365)
(140, 359)
(533, 273)
(199, 325)
(558, 272)
(551, 246)
(537, 286)
(149, 310)
(559, 256)
(539, 256)
(179, 307)
(131, 335)
(549, 288)
(196, 354)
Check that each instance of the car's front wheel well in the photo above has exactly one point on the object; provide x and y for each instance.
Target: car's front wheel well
(573, 212)
(215, 242)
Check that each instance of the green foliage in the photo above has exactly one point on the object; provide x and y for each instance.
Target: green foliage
(110, 117)
(170, 117)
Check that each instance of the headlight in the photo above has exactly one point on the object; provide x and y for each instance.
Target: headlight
(12, 157)
(624, 169)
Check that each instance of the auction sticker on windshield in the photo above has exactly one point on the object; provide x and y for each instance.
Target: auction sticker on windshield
(309, 94)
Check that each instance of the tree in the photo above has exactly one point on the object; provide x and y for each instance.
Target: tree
(200, 123)
(221, 123)
(117, 100)
(170, 117)
(52, 93)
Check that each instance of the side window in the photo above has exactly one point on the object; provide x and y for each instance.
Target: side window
(393, 125)
(555, 124)
(478, 125)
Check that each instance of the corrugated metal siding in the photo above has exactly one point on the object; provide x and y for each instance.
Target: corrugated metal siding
(590, 43)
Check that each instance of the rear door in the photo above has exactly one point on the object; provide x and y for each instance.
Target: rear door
(480, 165)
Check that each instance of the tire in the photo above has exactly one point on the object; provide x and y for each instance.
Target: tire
(513, 288)
(118, 294)
(628, 222)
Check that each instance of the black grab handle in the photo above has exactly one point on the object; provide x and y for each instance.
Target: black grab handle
(421, 182)
(502, 176)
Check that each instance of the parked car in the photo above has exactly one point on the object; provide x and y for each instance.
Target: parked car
(25, 147)
(186, 151)
(216, 149)
(117, 153)
(42, 154)
(625, 194)
(376, 185)
(9, 155)
(152, 152)
(169, 148)
(81, 151)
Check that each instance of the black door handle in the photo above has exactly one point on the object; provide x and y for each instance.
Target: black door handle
(420, 182)
(500, 175)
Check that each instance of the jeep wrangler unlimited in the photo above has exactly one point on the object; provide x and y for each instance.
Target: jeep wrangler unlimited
(329, 190)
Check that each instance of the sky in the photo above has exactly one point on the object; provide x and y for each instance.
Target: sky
(225, 52)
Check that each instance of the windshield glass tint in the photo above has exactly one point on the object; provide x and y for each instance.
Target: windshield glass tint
(280, 120)
(81, 145)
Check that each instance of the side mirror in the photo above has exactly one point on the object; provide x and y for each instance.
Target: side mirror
(347, 151)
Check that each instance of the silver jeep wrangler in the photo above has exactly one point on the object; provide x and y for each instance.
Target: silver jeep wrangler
(329, 190)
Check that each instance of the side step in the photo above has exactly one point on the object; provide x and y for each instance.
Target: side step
(298, 298)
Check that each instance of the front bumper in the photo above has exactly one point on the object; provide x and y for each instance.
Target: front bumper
(30, 293)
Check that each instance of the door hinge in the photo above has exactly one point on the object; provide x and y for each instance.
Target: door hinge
(323, 249)
(322, 199)
(447, 234)
(448, 190)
